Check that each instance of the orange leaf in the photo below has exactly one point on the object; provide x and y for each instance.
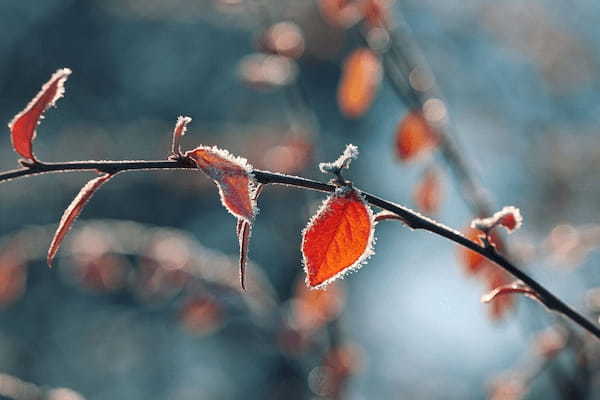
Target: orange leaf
(428, 193)
(338, 238)
(472, 261)
(414, 137)
(361, 75)
(23, 125)
(73, 211)
(233, 177)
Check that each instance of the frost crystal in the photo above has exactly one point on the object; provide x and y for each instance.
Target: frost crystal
(343, 161)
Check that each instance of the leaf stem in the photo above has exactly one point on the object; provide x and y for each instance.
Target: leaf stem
(412, 218)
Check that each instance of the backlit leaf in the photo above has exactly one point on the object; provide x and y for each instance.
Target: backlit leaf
(23, 125)
(472, 261)
(338, 239)
(414, 137)
(361, 75)
(428, 193)
(73, 211)
(233, 177)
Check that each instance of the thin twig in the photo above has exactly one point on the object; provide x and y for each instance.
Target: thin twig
(412, 218)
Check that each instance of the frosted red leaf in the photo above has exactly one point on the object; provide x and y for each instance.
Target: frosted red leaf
(338, 239)
(23, 125)
(428, 192)
(361, 74)
(72, 212)
(233, 177)
(414, 137)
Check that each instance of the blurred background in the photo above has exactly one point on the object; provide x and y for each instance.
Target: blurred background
(144, 300)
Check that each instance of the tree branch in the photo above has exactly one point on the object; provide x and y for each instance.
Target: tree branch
(412, 218)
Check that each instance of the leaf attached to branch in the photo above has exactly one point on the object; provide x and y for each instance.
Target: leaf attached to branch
(233, 176)
(338, 239)
(23, 125)
(73, 211)
(512, 288)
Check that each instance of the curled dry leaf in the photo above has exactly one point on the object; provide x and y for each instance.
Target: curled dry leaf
(414, 137)
(23, 125)
(512, 288)
(428, 192)
(178, 132)
(233, 176)
(361, 75)
(73, 211)
(338, 239)
(509, 217)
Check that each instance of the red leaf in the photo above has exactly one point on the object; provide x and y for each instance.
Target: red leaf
(414, 137)
(73, 211)
(361, 75)
(472, 261)
(428, 193)
(233, 177)
(23, 125)
(338, 239)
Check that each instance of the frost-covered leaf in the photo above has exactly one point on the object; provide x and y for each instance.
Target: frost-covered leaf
(23, 125)
(178, 132)
(338, 239)
(233, 177)
(73, 211)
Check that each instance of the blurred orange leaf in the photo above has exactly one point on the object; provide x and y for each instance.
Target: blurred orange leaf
(23, 125)
(340, 13)
(428, 192)
(338, 238)
(72, 212)
(232, 176)
(314, 308)
(361, 75)
(414, 137)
